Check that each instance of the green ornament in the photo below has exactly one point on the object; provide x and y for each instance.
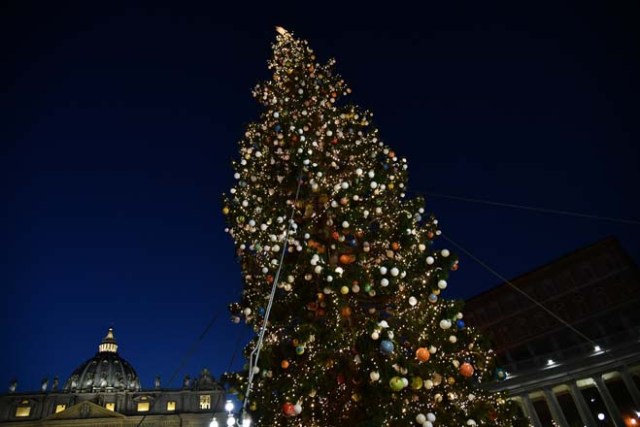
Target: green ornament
(300, 350)
(367, 287)
(416, 383)
(396, 384)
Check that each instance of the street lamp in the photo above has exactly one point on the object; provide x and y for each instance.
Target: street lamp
(231, 420)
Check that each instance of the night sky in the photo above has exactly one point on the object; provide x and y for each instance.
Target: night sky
(120, 122)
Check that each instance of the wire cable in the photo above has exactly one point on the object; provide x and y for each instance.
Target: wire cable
(535, 209)
(186, 357)
(508, 282)
(255, 354)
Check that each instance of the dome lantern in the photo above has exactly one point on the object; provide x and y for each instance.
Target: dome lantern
(109, 343)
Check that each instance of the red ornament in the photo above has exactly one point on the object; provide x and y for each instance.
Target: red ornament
(289, 409)
(466, 369)
(423, 354)
(340, 378)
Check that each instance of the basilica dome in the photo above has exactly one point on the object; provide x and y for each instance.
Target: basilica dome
(106, 371)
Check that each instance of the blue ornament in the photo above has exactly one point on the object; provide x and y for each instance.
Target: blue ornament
(261, 311)
(278, 128)
(386, 347)
(500, 374)
(460, 324)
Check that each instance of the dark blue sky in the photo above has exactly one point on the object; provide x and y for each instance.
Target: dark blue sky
(119, 124)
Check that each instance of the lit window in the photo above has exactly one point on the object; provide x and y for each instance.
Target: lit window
(60, 408)
(171, 405)
(205, 401)
(23, 411)
(143, 406)
(110, 406)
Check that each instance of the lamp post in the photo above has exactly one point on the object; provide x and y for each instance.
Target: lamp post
(231, 420)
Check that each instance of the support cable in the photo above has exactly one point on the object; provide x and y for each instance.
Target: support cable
(535, 209)
(255, 354)
(520, 291)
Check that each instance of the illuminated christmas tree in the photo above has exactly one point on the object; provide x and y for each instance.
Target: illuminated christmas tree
(357, 334)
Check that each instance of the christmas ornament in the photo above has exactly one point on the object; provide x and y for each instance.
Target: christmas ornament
(466, 369)
(396, 383)
(386, 347)
(422, 354)
(289, 409)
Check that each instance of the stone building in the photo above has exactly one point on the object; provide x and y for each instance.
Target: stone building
(105, 391)
(585, 374)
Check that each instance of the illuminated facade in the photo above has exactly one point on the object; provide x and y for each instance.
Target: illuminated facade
(105, 391)
(559, 376)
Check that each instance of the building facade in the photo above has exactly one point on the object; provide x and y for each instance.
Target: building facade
(568, 336)
(105, 391)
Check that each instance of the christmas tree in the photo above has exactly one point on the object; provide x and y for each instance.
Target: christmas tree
(357, 334)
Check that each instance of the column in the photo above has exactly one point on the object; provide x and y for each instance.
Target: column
(631, 386)
(530, 411)
(612, 408)
(581, 405)
(554, 407)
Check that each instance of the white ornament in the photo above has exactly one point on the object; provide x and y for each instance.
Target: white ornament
(383, 270)
(422, 247)
(471, 422)
(384, 282)
(375, 335)
(442, 284)
(421, 418)
(445, 253)
(394, 271)
(445, 323)
(374, 184)
(430, 260)
(453, 339)
(431, 417)
(297, 408)
(374, 375)
(345, 224)
(413, 301)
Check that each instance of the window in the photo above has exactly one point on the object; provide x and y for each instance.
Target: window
(23, 411)
(60, 408)
(110, 406)
(171, 405)
(205, 401)
(143, 406)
